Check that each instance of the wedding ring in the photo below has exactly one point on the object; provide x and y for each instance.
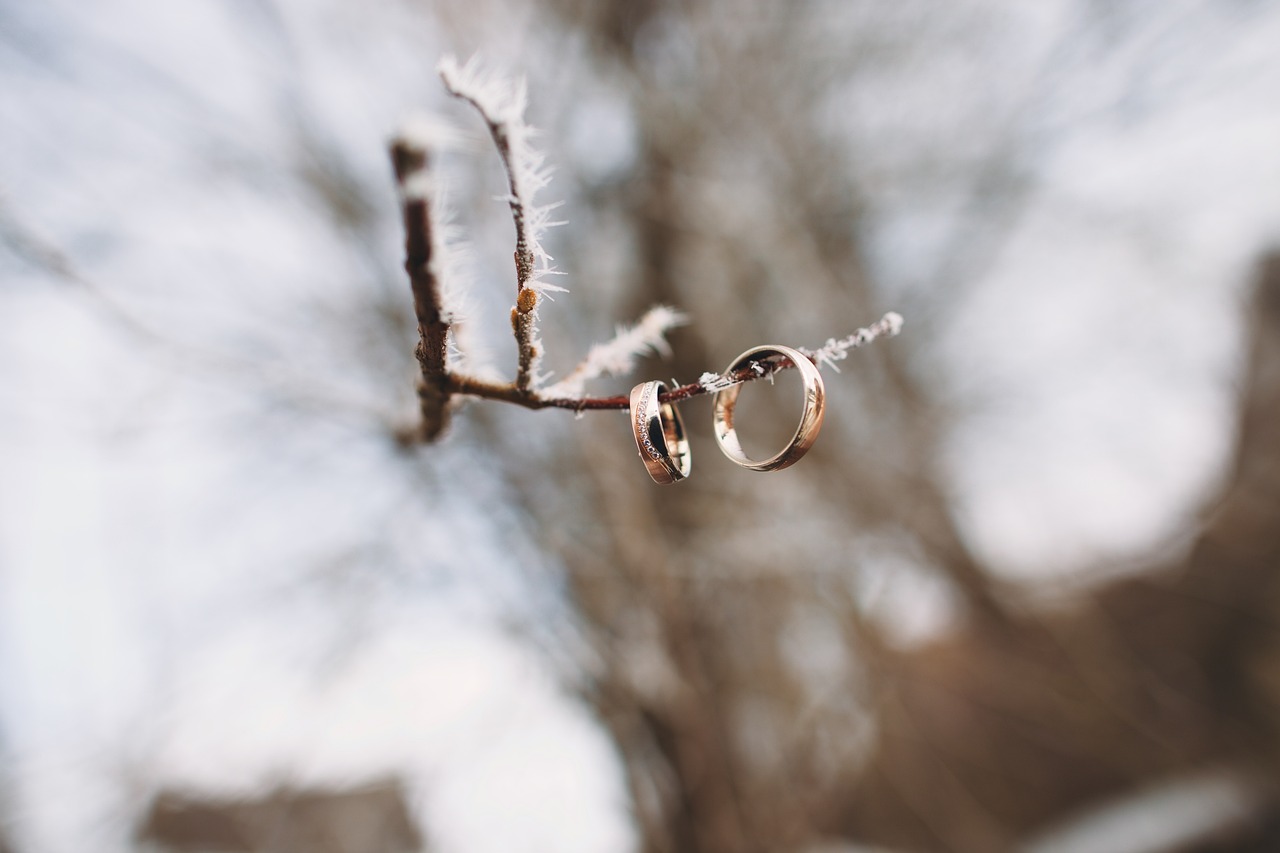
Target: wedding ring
(810, 419)
(659, 434)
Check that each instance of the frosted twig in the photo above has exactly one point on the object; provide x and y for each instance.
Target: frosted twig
(715, 381)
(707, 383)
(501, 104)
(409, 158)
(838, 350)
(618, 356)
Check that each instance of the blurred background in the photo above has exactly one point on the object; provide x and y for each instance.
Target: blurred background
(1020, 596)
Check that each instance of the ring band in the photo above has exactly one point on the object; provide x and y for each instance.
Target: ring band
(659, 434)
(810, 420)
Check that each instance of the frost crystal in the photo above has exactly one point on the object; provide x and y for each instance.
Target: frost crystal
(502, 104)
(618, 356)
(837, 350)
(715, 382)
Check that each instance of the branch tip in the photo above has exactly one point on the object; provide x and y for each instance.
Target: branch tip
(618, 356)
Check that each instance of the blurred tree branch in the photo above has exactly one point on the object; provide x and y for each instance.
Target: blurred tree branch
(990, 737)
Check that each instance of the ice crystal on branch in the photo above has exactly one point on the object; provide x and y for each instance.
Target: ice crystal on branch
(501, 104)
(618, 357)
(837, 350)
(715, 382)
(827, 354)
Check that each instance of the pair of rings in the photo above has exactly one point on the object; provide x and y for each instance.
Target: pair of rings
(659, 431)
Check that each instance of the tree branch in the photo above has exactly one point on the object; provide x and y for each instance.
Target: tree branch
(410, 164)
(830, 352)
(618, 356)
(501, 106)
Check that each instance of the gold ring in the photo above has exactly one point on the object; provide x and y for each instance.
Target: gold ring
(659, 434)
(810, 419)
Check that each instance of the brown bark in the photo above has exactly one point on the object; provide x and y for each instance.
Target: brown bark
(433, 329)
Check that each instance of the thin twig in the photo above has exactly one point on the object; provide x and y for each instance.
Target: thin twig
(501, 106)
(618, 356)
(833, 350)
(458, 81)
(410, 163)
(838, 350)
(524, 319)
(465, 385)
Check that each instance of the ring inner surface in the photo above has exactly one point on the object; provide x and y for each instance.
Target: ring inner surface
(728, 406)
(673, 436)
(658, 433)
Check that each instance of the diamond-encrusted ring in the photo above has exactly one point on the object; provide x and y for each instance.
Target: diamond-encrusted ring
(659, 434)
(810, 419)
